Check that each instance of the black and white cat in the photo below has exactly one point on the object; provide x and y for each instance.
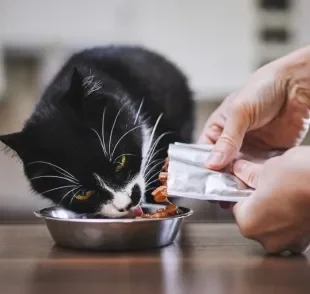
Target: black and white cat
(98, 137)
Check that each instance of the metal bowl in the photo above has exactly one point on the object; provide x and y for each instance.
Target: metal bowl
(74, 231)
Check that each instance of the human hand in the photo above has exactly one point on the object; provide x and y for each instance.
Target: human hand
(271, 111)
(277, 214)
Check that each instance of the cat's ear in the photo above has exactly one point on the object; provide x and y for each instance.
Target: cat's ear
(13, 141)
(75, 95)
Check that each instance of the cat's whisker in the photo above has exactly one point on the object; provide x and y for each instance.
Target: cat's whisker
(125, 154)
(153, 131)
(113, 126)
(102, 133)
(78, 191)
(156, 160)
(155, 145)
(157, 151)
(62, 187)
(63, 198)
(151, 177)
(144, 163)
(149, 189)
(138, 113)
(64, 178)
(152, 149)
(56, 166)
(65, 175)
(99, 138)
(122, 137)
(156, 180)
(156, 165)
(152, 164)
(152, 161)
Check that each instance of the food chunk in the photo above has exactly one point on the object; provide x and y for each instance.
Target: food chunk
(161, 196)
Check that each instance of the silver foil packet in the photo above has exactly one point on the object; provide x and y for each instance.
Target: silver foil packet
(188, 177)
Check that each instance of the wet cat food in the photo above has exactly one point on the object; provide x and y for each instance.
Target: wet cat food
(160, 195)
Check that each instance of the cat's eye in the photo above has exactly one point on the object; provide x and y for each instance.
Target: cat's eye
(84, 195)
(121, 164)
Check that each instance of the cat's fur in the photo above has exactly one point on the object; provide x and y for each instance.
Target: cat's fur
(102, 104)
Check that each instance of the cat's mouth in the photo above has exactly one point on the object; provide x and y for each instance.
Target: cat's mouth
(130, 210)
(110, 210)
(135, 211)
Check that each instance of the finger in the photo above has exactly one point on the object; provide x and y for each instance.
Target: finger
(244, 217)
(248, 172)
(210, 135)
(250, 216)
(213, 128)
(230, 141)
(205, 139)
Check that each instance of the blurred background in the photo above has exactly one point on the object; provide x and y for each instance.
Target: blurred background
(218, 44)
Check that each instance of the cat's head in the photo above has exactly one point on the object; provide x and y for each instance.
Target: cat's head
(86, 151)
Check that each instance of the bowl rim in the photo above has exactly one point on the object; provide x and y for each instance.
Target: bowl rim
(40, 214)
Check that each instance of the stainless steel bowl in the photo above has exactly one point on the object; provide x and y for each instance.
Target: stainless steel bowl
(70, 230)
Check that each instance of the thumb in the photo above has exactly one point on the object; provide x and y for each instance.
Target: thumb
(230, 141)
(248, 172)
(244, 213)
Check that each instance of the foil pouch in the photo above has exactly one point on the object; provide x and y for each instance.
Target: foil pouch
(188, 177)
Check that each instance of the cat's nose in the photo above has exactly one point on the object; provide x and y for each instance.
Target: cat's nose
(126, 208)
(135, 195)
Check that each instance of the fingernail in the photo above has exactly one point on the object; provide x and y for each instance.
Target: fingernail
(215, 158)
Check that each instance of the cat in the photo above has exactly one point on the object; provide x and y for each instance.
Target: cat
(98, 136)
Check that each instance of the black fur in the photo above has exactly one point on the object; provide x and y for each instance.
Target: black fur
(60, 129)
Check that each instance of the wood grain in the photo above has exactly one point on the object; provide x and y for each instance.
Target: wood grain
(206, 258)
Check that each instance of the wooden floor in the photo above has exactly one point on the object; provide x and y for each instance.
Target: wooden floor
(206, 258)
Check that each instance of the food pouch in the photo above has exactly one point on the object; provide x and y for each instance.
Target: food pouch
(188, 177)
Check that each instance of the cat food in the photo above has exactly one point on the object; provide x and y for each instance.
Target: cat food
(165, 167)
(163, 177)
(160, 195)
(169, 210)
